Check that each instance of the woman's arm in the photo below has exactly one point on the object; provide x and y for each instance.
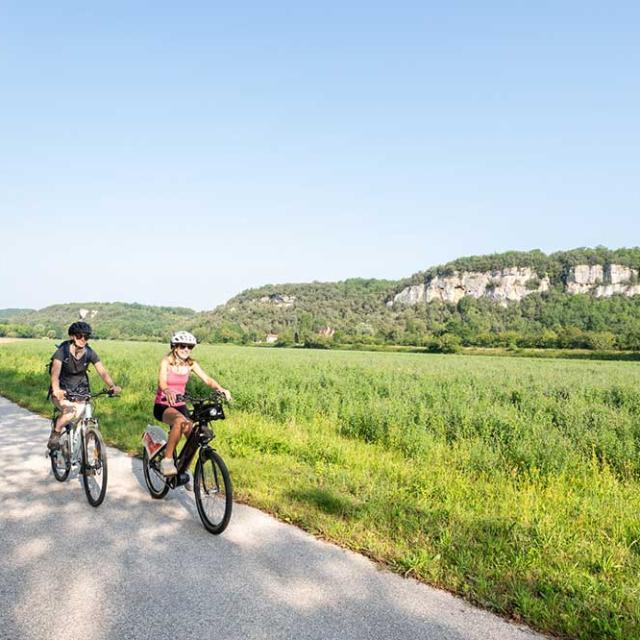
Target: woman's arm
(209, 381)
(162, 382)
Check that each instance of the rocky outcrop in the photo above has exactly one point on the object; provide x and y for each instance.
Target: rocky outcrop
(513, 284)
(583, 277)
(619, 274)
(279, 300)
(603, 282)
(608, 290)
(415, 294)
(502, 286)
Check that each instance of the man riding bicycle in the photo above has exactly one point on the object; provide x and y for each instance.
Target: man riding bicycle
(69, 374)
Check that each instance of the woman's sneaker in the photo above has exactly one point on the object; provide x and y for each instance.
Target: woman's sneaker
(167, 467)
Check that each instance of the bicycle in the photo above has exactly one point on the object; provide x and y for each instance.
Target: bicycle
(82, 447)
(212, 483)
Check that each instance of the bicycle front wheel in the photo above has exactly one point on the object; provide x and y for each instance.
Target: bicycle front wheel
(61, 459)
(94, 467)
(213, 491)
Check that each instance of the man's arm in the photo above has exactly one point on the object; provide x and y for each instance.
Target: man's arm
(104, 374)
(56, 391)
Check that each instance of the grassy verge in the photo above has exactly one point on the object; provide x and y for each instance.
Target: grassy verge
(513, 482)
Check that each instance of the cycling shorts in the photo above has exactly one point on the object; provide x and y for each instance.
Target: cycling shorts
(159, 409)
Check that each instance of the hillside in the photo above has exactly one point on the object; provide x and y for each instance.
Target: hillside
(583, 298)
(9, 314)
(298, 312)
(115, 320)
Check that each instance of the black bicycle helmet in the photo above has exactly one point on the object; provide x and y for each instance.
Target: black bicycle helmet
(80, 328)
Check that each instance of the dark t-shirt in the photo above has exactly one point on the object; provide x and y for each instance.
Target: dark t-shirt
(73, 374)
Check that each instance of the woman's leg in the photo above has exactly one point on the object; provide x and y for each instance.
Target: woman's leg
(179, 425)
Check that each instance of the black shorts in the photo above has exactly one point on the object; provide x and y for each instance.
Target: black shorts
(159, 409)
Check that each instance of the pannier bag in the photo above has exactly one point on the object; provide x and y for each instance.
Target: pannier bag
(153, 438)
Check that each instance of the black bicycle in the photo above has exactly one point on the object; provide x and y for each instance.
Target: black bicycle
(82, 447)
(212, 483)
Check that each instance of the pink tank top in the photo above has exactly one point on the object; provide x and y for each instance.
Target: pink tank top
(176, 382)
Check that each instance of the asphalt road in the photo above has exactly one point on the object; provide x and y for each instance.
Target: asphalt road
(141, 568)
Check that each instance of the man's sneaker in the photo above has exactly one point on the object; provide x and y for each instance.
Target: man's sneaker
(167, 467)
(54, 441)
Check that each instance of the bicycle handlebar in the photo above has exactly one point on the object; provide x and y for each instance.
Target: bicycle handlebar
(89, 396)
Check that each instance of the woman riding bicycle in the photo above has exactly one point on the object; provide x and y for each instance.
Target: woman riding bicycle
(175, 369)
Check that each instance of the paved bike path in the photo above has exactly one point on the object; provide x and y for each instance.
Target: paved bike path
(141, 568)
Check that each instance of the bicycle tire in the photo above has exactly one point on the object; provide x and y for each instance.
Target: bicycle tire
(152, 474)
(213, 491)
(61, 459)
(94, 467)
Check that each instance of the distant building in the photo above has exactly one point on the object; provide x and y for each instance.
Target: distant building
(271, 338)
(327, 332)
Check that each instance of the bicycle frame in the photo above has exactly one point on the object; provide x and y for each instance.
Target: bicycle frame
(199, 438)
(81, 448)
(76, 430)
(192, 446)
(213, 491)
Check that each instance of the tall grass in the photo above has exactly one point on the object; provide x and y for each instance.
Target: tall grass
(513, 482)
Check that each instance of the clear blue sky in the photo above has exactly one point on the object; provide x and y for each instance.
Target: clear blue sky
(177, 153)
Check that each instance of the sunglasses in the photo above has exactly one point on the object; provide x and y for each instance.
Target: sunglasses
(185, 346)
(83, 336)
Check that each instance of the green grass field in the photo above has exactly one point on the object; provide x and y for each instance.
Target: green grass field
(511, 481)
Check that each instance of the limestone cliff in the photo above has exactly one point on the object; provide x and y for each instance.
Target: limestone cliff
(501, 286)
(603, 282)
(513, 284)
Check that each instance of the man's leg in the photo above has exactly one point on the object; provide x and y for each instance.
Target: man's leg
(68, 412)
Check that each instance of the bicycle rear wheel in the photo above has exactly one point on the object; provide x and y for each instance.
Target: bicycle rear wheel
(94, 467)
(156, 481)
(61, 459)
(213, 491)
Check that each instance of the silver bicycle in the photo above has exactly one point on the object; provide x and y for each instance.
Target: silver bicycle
(82, 449)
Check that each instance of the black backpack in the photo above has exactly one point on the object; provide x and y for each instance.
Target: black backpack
(66, 354)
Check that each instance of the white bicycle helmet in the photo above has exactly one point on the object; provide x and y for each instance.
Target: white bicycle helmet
(183, 337)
